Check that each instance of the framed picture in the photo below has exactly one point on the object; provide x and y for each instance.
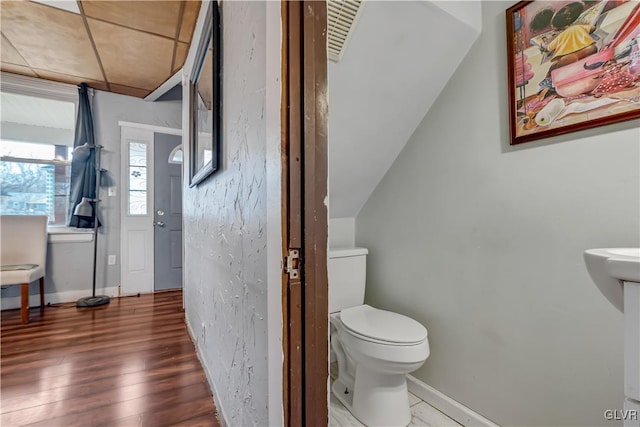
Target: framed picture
(205, 108)
(573, 65)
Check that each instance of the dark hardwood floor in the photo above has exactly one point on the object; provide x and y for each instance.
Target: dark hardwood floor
(129, 363)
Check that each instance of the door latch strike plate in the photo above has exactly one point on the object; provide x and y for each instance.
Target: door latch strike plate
(293, 264)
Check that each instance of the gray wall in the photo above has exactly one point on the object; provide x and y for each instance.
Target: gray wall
(483, 244)
(63, 277)
(108, 110)
(225, 220)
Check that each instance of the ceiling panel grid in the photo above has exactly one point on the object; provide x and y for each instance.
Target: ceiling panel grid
(128, 47)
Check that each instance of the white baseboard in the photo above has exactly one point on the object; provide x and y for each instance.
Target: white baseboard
(447, 405)
(8, 303)
(222, 418)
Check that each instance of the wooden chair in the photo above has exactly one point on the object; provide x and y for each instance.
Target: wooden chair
(23, 255)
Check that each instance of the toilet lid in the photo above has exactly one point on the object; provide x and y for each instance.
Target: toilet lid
(381, 325)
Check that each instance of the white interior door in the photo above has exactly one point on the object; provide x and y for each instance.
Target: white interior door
(137, 211)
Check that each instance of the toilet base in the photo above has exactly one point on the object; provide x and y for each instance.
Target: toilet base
(378, 399)
(343, 394)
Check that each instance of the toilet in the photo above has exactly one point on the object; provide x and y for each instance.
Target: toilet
(375, 349)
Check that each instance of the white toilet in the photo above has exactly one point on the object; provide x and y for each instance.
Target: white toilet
(375, 348)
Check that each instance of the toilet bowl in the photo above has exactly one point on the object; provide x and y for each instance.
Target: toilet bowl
(375, 350)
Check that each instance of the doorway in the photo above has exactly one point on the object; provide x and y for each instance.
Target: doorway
(304, 146)
(151, 241)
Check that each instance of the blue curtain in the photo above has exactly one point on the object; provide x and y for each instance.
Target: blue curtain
(83, 172)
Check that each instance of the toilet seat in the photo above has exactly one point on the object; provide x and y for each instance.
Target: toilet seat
(382, 327)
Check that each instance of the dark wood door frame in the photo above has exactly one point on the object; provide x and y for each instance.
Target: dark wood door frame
(304, 142)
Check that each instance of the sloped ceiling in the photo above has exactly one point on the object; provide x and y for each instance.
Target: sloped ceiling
(400, 57)
(128, 47)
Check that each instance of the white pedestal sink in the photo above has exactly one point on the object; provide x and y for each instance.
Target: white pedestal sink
(616, 272)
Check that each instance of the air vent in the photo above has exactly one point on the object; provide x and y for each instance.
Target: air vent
(341, 17)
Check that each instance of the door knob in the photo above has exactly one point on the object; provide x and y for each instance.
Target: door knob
(159, 224)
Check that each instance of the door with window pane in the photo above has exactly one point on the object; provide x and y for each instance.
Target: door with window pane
(168, 214)
(137, 211)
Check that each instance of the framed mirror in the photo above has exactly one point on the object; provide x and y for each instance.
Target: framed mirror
(205, 108)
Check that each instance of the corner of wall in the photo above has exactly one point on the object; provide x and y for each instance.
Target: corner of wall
(342, 232)
(467, 12)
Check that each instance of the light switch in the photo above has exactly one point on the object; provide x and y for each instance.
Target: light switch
(112, 260)
(112, 191)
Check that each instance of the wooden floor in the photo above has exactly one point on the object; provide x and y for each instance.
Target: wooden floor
(129, 363)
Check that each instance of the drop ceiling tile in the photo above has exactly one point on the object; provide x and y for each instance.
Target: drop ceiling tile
(131, 91)
(10, 55)
(181, 56)
(49, 38)
(158, 17)
(17, 69)
(189, 18)
(73, 80)
(130, 57)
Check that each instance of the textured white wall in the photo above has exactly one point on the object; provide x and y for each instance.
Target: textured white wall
(483, 244)
(225, 229)
(274, 210)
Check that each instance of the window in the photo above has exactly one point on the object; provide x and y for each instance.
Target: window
(175, 156)
(35, 156)
(137, 178)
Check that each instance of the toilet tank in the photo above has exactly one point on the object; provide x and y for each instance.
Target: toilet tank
(347, 273)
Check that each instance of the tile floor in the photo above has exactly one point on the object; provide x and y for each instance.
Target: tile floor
(422, 414)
